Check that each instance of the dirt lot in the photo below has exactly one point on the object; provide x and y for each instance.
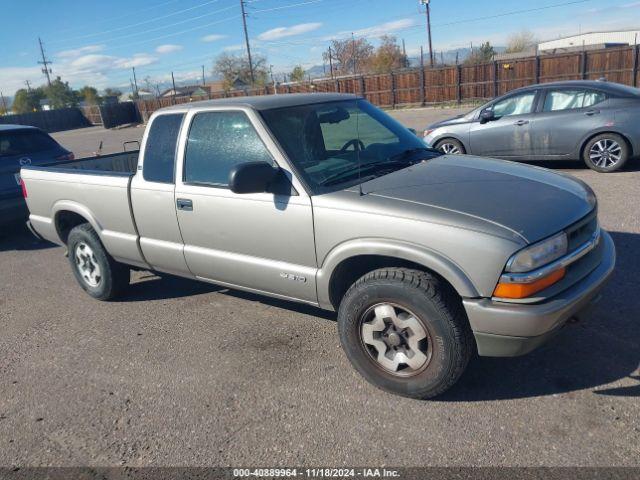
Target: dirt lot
(182, 373)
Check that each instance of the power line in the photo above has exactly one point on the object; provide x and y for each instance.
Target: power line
(282, 7)
(125, 27)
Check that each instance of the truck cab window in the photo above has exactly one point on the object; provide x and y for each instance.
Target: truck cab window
(217, 142)
(160, 149)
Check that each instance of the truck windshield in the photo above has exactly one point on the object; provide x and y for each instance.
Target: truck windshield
(339, 144)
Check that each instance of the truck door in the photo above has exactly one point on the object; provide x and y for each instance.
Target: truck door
(262, 242)
(152, 195)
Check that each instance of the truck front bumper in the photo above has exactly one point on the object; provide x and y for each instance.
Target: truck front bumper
(510, 329)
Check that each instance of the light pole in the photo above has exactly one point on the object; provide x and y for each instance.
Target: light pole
(426, 4)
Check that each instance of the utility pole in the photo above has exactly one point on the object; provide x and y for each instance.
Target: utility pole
(353, 52)
(173, 81)
(428, 11)
(45, 63)
(404, 54)
(246, 40)
(135, 81)
(28, 85)
(203, 82)
(330, 62)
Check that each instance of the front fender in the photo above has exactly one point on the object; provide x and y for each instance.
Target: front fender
(430, 259)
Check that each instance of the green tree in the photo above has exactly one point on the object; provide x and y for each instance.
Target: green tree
(236, 67)
(60, 94)
(388, 56)
(483, 54)
(297, 74)
(25, 101)
(112, 92)
(89, 95)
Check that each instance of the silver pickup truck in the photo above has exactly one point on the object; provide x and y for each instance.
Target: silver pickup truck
(324, 199)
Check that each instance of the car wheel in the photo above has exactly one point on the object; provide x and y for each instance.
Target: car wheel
(606, 153)
(450, 146)
(95, 270)
(405, 331)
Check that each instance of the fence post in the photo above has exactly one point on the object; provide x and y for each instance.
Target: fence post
(459, 83)
(423, 86)
(393, 90)
(634, 80)
(584, 65)
(536, 69)
(337, 86)
(495, 78)
(362, 86)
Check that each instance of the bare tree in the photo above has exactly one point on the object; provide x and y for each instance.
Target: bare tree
(521, 41)
(236, 67)
(351, 55)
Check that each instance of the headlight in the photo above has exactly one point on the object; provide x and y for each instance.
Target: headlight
(428, 132)
(539, 254)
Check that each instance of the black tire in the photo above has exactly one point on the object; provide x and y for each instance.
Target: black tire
(438, 309)
(620, 148)
(112, 278)
(453, 144)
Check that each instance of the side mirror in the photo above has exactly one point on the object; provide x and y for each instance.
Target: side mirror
(252, 177)
(487, 116)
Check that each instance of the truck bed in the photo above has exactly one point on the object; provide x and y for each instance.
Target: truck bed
(93, 188)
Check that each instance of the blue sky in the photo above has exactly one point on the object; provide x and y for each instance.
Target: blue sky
(97, 43)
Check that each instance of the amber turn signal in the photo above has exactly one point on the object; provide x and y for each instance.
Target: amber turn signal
(524, 290)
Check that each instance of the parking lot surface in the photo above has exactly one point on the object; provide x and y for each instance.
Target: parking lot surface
(184, 373)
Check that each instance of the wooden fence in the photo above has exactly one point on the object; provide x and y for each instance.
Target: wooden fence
(456, 83)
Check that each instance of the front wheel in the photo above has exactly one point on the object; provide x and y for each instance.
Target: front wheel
(405, 331)
(95, 270)
(606, 153)
(450, 146)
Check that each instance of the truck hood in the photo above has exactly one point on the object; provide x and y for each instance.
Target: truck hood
(530, 202)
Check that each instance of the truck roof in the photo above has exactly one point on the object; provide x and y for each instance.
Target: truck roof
(267, 102)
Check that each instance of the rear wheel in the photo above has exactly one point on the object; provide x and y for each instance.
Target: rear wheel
(450, 146)
(606, 153)
(95, 270)
(405, 331)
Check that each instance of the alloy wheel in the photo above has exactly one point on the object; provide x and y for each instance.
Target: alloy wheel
(88, 265)
(449, 148)
(605, 153)
(395, 339)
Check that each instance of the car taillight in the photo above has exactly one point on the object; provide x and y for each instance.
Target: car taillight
(24, 188)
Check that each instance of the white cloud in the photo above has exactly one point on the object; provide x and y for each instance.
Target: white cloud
(13, 78)
(76, 52)
(213, 37)
(168, 48)
(233, 48)
(282, 32)
(377, 30)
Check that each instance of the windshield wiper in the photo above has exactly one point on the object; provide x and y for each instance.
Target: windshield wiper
(411, 151)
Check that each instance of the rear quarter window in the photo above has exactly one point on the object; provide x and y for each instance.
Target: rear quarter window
(21, 142)
(160, 148)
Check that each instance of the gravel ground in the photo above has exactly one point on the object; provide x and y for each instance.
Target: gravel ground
(183, 373)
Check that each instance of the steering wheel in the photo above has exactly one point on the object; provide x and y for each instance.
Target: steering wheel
(357, 145)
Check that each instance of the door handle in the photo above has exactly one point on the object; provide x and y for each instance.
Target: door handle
(184, 204)
(519, 123)
(591, 112)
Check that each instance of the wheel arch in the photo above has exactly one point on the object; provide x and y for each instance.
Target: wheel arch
(447, 136)
(350, 260)
(67, 215)
(592, 135)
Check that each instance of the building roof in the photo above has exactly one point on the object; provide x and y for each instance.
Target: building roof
(267, 102)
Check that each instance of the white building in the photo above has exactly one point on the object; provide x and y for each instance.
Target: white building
(624, 37)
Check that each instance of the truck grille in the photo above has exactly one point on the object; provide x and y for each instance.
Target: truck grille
(582, 231)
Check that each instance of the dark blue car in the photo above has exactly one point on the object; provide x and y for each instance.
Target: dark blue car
(21, 145)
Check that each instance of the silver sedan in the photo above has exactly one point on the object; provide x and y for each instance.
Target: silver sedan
(594, 121)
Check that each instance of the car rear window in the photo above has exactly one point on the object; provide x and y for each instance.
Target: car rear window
(20, 142)
(160, 148)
